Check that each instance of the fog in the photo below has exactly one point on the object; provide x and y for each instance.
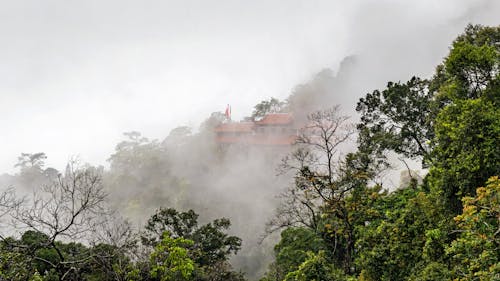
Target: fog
(76, 71)
(75, 75)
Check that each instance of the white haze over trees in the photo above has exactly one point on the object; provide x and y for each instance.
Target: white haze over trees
(76, 75)
(80, 72)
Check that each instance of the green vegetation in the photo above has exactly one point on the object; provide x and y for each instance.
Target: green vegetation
(443, 229)
(201, 253)
(337, 221)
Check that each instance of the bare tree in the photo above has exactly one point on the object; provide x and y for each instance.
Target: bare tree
(315, 164)
(323, 178)
(298, 206)
(117, 232)
(324, 135)
(8, 202)
(68, 209)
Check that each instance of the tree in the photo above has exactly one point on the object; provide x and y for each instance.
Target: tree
(475, 253)
(342, 219)
(316, 268)
(141, 175)
(211, 247)
(136, 154)
(295, 245)
(471, 66)
(450, 121)
(467, 127)
(31, 160)
(399, 119)
(265, 107)
(170, 259)
(177, 137)
(434, 271)
(9, 202)
(13, 265)
(467, 151)
(69, 208)
(178, 224)
(404, 234)
(113, 248)
(322, 183)
(221, 271)
(31, 255)
(32, 171)
(314, 163)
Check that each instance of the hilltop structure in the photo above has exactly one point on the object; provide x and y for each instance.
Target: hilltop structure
(276, 129)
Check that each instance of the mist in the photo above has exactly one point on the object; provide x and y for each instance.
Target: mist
(76, 75)
(154, 66)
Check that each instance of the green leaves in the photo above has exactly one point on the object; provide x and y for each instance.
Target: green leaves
(316, 268)
(208, 248)
(398, 118)
(472, 67)
(475, 253)
(170, 259)
(211, 243)
(467, 151)
(272, 106)
(293, 247)
(178, 224)
(472, 64)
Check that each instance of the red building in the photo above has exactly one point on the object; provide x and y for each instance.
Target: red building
(277, 129)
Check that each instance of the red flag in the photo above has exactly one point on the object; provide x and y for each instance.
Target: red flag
(228, 112)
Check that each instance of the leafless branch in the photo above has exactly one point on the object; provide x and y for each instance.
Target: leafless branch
(316, 167)
(9, 201)
(69, 208)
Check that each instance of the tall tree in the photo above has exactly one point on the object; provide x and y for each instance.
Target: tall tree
(467, 127)
(324, 182)
(398, 119)
(314, 164)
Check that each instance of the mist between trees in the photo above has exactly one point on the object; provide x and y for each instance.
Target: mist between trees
(317, 210)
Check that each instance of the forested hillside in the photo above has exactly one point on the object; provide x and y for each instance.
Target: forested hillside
(447, 228)
(328, 216)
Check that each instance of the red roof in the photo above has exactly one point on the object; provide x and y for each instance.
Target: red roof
(276, 119)
(247, 133)
(236, 127)
(257, 140)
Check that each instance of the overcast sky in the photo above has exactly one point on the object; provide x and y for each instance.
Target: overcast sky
(75, 75)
